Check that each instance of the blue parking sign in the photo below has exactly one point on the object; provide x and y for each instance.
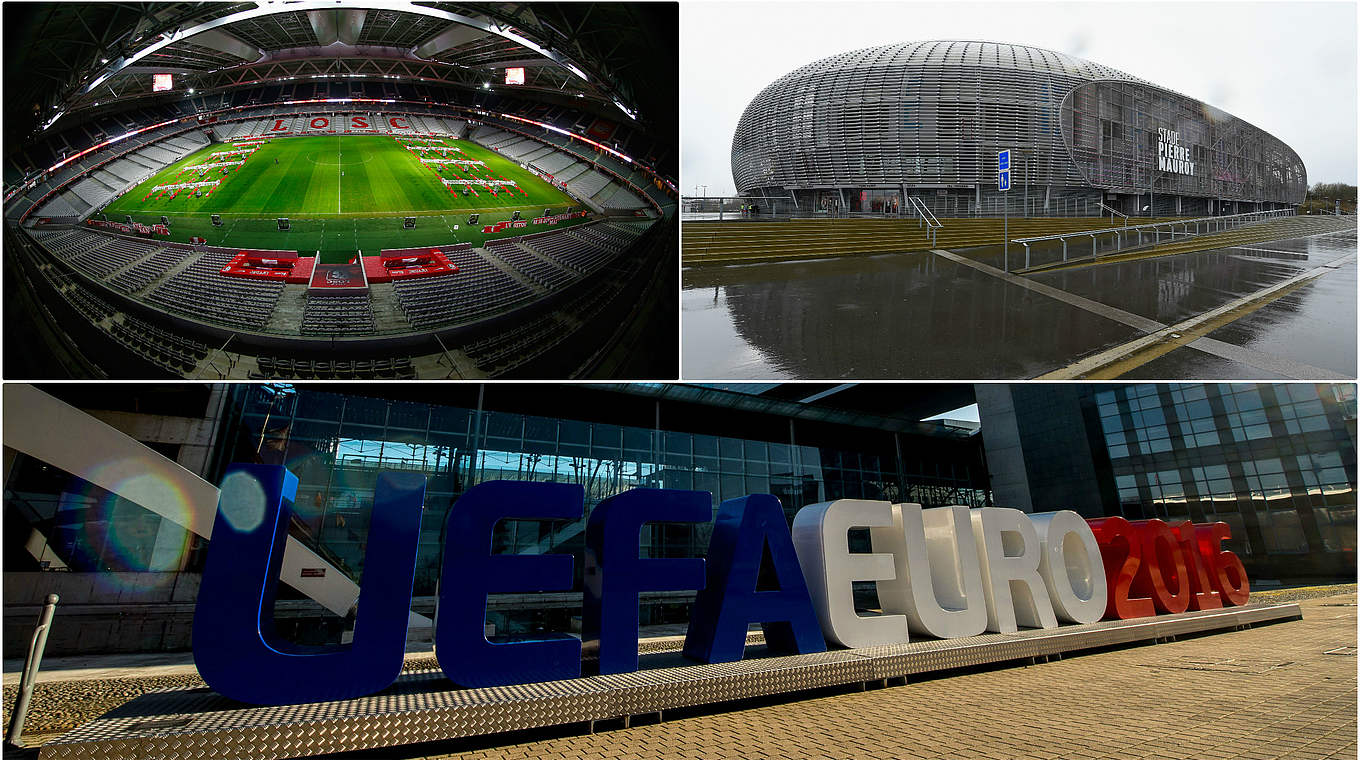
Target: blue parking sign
(1003, 160)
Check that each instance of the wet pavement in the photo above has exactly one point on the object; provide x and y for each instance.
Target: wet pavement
(922, 315)
(1192, 363)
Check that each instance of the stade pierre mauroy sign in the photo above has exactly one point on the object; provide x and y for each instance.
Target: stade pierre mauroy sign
(1171, 155)
(947, 572)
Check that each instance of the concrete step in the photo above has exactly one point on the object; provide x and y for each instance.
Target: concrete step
(730, 242)
(770, 233)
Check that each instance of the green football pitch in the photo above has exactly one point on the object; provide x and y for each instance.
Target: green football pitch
(340, 193)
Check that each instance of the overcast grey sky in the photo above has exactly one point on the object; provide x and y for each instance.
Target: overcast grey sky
(1287, 67)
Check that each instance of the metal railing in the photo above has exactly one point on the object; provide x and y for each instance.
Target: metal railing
(721, 208)
(1202, 225)
(29, 678)
(1114, 213)
(928, 219)
(695, 208)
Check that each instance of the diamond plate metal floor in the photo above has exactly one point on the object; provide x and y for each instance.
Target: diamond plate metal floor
(424, 707)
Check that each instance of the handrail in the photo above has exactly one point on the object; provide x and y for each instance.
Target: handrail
(1114, 213)
(925, 211)
(927, 218)
(1156, 229)
(1282, 211)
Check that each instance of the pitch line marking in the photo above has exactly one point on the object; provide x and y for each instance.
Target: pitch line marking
(355, 214)
(339, 211)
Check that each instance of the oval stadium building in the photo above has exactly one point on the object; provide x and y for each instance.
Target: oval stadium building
(863, 130)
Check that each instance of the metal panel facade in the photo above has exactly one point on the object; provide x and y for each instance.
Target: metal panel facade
(932, 115)
(1112, 129)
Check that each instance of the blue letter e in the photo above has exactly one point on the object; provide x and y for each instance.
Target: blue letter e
(471, 572)
(235, 647)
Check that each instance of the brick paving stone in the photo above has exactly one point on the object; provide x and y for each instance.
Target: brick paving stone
(1141, 702)
(1137, 702)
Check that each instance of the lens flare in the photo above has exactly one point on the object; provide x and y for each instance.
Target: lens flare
(145, 489)
(242, 502)
(135, 523)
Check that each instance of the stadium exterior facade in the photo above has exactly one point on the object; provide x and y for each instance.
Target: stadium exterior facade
(863, 130)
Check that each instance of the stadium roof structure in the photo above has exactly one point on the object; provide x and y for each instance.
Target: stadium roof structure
(63, 58)
(981, 53)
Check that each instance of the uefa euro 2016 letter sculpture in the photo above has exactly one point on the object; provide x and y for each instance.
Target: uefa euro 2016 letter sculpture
(614, 574)
(1008, 550)
(1069, 561)
(235, 647)
(1166, 580)
(743, 531)
(471, 572)
(949, 572)
(939, 582)
(1226, 573)
(820, 534)
(1121, 551)
(1202, 594)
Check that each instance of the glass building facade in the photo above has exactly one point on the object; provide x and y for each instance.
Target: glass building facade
(864, 129)
(1276, 462)
(337, 443)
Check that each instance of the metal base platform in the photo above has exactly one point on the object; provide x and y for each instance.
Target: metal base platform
(423, 707)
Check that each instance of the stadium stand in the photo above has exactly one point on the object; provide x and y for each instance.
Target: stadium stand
(622, 199)
(136, 277)
(278, 368)
(505, 350)
(587, 184)
(113, 255)
(479, 289)
(541, 271)
(554, 162)
(337, 315)
(172, 352)
(567, 249)
(199, 291)
(517, 149)
(573, 169)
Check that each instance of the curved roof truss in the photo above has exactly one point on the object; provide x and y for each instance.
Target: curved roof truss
(208, 41)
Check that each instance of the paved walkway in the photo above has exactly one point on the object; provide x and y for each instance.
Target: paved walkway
(1168, 337)
(1280, 691)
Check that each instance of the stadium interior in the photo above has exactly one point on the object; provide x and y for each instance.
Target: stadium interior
(574, 102)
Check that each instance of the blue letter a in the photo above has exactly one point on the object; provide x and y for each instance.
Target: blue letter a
(235, 647)
(730, 602)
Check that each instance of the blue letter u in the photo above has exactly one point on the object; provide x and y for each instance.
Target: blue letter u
(235, 648)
